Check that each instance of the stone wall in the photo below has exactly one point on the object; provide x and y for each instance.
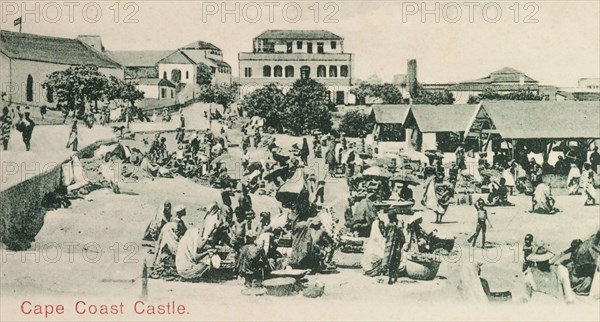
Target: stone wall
(21, 211)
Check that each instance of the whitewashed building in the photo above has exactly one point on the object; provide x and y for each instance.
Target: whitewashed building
(27, 59)
(181, 66)
(284, 56)
(157, 88)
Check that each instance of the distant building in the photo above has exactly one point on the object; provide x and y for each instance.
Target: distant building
(181, 66)
(592, 84)
(284, 56)
(27, 59)
(139, 64)
(157, 88)
(503, 81)
(588, 89)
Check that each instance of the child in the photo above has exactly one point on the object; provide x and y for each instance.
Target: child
(482, 220)
(527, 250)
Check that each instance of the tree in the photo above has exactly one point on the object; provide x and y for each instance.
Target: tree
(76, 86)
(204, 74)
(433, 97)
(267, 102)
(127, 92)
(356, 124)
(130, 93)
(389, 93)
(224, 94)
(306, 107)
(362, 91)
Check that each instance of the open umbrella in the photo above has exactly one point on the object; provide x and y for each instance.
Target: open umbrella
(405, 179)
(377, 172)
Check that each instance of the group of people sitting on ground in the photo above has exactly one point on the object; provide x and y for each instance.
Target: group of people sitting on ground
(228, 236)
(562, 275)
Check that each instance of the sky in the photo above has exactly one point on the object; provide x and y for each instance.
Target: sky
(554, 42)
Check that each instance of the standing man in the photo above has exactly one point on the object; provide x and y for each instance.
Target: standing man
(482, 220)
(460, 157)
(6, 127)
(25, 126)
(73, 140)
(595, 160)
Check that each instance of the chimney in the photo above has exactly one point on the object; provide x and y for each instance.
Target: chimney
(93, 41)
(412, 77)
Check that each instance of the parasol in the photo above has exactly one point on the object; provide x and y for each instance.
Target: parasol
(405, 179)
(377, 171)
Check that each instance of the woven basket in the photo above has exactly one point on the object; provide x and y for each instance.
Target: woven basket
(422, 271)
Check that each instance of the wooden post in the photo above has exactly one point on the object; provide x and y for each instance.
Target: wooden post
(144, 295)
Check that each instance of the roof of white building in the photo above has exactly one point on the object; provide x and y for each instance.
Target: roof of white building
(177, 57)
(299, 35)
(199, 44)
(139, 58)
(64, 51)
(155, 82)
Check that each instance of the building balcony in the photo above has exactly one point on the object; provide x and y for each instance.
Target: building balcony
(284, 81)
(294, 57)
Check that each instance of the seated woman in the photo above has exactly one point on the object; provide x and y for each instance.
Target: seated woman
(253, 263)
(498, 195)
(416, 240)
(374, 250)
(382, 255)
(197, 246)
(542, 200)
(155, 226)
(168, 243)
(363, 216)
(308, 237)
(547, 280)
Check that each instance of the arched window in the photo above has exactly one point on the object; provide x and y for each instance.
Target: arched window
(165, 75)
(266, 71)
(332, 71)
(176, 75)
(29, 91)
(344, 71)
(278, 71)
(321, 71)
(187, 74)
(304, 72)
(50, 95)
(289, 71)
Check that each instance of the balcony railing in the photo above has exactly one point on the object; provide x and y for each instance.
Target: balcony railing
(294, 56)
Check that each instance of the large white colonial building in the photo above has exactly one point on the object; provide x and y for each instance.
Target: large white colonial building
(181, 66)
(284, 56)
(26, 60)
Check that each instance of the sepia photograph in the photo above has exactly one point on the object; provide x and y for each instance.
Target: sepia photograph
(300, 160)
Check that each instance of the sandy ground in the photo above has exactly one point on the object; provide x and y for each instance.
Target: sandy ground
(92, 252)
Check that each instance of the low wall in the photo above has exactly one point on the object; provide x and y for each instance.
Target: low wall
(21, 211)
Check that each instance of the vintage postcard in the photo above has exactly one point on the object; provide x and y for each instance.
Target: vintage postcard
(299, 160)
